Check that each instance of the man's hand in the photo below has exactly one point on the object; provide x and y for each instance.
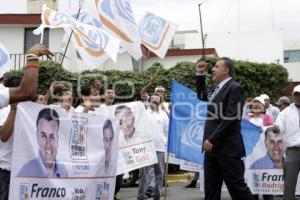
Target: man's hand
(201, 67)
(152, 79)
(40, 50)
(276, 129)
(207, 145)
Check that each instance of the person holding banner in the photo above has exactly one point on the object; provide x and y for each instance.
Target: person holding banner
(45, 165)
(28, 86)
(222, 140)
(288, 124)
(159, 121)
(7, 120)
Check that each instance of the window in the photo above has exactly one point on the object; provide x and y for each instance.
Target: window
(31, 39)
(291, 56)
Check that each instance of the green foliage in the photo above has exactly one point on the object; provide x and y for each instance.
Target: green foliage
(255, 78)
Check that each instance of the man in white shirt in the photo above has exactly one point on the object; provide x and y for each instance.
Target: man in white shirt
(271, 110)
(159, 122)
(288, 123)
(90, 100)
(7, 118)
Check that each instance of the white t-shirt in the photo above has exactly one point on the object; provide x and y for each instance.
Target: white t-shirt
(6, 148)
(4, 96)
(159, 123)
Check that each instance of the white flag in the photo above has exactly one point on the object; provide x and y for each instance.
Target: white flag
(5, 62)
(117, 17)
(156, 33)
(91, 42)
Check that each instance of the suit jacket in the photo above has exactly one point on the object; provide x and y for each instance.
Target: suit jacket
(223, 123)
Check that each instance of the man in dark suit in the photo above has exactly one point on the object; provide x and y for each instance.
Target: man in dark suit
(222, 139)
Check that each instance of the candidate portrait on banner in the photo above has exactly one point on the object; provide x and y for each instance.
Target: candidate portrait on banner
(47, 134)
(273, 159)
(125, 118)
(108, 140)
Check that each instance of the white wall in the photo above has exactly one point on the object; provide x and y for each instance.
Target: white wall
(294, 70)
(12, 38)
(169, 62)
(262, 46)
(13, 6)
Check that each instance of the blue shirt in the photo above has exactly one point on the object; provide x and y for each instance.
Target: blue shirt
(264, 163)
(36, 168)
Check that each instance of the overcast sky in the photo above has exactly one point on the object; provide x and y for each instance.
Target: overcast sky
(229, 15)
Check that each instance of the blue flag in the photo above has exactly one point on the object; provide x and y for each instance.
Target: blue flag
(187, 121)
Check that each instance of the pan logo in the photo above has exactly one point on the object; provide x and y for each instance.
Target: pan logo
(152, 28)
(24, 191)
(193, 134)
(255, 180)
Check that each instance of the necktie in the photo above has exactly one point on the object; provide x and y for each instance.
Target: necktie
(215, 92)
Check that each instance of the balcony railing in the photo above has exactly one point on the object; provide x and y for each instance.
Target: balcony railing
(18, 59)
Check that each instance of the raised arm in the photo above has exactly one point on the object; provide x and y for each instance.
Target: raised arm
(200, 80)
(28, 86)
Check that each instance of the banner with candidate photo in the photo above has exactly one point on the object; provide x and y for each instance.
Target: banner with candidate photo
(60, 155)
(136, 146)
(264, 167)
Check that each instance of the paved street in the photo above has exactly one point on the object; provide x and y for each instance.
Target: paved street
(176, 191)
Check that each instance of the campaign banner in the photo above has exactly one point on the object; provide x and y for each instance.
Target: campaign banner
(190, 166)
(156, 33)
(57, 155)
(136, 145)
(264, 167)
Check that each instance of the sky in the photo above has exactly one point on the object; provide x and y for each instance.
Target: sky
(229, 15)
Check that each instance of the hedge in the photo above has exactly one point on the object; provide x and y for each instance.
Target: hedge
(255, 78)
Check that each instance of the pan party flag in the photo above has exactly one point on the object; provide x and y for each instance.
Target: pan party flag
(156, 33)
(117, 18)
(91, 42)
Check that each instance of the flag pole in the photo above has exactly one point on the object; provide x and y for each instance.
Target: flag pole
(64, 55)
(42, 37)
(166, 177)
(201, 28)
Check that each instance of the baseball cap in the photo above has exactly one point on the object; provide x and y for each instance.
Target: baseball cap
(260, 100)
(264, 96)
(283, 100)
(296, 89)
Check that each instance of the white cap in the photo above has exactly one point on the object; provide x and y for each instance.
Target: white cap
(264, 96)
(260, 99)
(159, 88)
(296, 89)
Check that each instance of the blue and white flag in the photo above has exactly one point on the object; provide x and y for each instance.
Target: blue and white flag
(90, 41)
(117, 17)
(187, 121)
(5, 62)
(156, 33)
